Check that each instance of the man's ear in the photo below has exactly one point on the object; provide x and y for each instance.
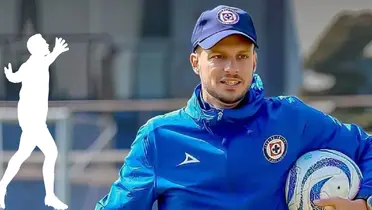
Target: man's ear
(194, 60)
(254, 62)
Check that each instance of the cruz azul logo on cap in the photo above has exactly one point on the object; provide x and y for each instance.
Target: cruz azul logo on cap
(227, 16)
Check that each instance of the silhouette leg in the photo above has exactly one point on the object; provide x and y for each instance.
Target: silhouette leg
(26, 146)
(49, 148)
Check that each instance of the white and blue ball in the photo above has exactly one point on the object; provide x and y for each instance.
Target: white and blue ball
(321, 174)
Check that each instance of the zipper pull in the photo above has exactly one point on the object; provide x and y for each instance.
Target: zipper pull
(219, 115)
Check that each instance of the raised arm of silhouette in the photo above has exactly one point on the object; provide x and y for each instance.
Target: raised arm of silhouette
(34, 45)
(59, 48)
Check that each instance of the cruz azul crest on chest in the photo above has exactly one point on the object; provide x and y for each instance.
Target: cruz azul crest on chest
(275, 148)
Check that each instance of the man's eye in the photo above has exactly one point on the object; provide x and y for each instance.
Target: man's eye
(243, 56)
(217, 56)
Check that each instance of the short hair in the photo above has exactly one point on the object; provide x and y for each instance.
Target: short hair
(198, 49)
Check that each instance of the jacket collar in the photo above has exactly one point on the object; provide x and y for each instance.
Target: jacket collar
(203, 112)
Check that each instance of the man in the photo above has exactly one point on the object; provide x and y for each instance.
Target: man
(212, 154)
(32, 115)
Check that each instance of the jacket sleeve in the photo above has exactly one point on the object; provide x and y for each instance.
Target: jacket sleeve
(325, 132)
(135, 186)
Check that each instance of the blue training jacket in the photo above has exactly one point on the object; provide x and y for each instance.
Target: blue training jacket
(199, 157)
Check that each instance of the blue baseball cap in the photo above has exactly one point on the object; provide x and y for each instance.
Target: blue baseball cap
(222, 21)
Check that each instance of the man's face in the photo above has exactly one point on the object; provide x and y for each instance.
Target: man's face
(226, 70)
(45, 46)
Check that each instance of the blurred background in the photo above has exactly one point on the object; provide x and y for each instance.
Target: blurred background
(129, 61)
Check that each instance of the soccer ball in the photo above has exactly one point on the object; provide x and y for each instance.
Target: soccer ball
(321, 174)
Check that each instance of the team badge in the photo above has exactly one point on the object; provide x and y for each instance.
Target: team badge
(275, 148)
(227, 16)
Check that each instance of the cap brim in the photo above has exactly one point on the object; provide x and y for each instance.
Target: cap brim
(212, 40)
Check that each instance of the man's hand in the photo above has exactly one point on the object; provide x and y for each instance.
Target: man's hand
(8, 70)
(341, 204)
(60, 46)
(14, 77)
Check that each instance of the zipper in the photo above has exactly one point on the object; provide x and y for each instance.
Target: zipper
(222, 146)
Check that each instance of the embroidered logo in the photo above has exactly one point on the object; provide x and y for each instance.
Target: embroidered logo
(275, 148)
(227, 16)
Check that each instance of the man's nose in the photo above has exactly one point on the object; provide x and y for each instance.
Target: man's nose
(231, 67)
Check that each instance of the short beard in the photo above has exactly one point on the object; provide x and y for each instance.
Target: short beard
(224, 100)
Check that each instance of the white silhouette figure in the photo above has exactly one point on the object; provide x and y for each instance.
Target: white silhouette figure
(32, 115)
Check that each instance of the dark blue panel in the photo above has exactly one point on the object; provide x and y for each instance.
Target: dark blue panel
(275, 51)
(128, 125)
(26, 195)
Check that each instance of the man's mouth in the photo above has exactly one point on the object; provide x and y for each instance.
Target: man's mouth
(231, 82)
